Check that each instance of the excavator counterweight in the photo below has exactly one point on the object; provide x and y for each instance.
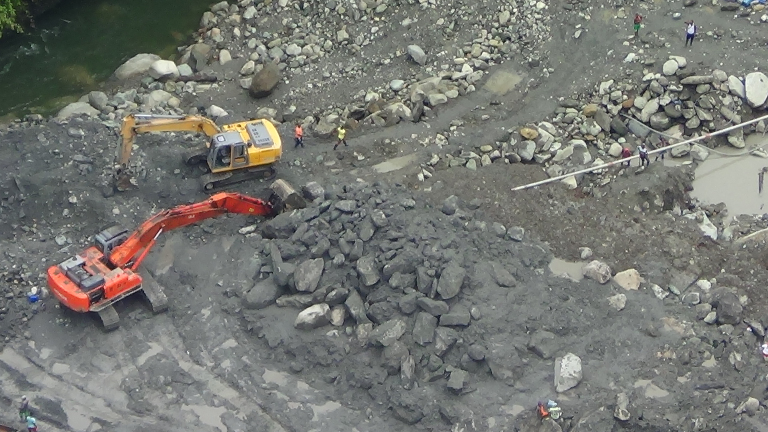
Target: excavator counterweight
(108, 271)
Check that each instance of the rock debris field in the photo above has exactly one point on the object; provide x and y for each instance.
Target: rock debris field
(416, 291)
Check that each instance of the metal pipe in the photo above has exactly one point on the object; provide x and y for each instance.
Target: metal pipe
(609, 164)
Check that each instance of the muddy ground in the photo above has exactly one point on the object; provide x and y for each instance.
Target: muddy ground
(214, 363)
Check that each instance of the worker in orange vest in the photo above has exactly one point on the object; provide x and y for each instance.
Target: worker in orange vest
(299, 135)
(542, 410)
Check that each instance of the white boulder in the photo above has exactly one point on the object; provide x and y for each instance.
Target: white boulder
(135, 66)
(567, 372)
(163, 69)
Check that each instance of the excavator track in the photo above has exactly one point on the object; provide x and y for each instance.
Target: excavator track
(215, 181)
(109, 318)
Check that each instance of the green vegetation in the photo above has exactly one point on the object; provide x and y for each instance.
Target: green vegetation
(10, 12)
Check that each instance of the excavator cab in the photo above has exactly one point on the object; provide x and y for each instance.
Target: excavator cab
(227, 152)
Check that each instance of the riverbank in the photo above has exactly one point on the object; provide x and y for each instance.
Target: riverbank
(441, 309)
(75, 47)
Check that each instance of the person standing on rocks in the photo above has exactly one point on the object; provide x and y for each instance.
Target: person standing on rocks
(31, 424)
(299, 136)
(638, 21)
(341, 135)
(690, 32)
(626, 153)
(24, 408)
(644, 160)
(662, 143)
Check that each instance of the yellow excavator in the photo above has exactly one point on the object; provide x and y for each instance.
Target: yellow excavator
(234, 152)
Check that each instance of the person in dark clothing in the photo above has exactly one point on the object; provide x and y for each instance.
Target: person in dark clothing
(643, 150)
(662, 143)
(299, 135)
(690, 32)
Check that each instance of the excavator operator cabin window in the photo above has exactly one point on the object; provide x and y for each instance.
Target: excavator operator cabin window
(223, 156)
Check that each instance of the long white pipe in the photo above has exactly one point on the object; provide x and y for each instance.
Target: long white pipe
(609, 164)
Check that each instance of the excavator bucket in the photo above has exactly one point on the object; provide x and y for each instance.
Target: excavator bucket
(285, 197)
(124, 180)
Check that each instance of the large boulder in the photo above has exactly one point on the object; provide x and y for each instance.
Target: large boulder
(728, 307)
(199, 55)
(451, 280)
(77, 109)
(307, 275)
(756, 86)
(567, 372)
(313, 317)
(163, 69)
(263, 294)
(135, 66)
(98, 100)
(265, 81)
(736, 87)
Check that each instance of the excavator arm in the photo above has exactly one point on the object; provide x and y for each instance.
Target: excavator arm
(135, 124)
(133, 250)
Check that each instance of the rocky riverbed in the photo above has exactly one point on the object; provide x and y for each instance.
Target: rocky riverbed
(415, 292)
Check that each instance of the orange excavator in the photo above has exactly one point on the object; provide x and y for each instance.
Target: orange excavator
(94, 280)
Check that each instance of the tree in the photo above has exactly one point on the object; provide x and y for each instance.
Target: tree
(10, 12)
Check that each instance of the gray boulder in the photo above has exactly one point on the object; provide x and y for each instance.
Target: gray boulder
(265, 81)
(313, 317)
(451, 280)
(544, 344)
(77, 109)
(367, 270)
(424, 328)
(98, 100)
(417, 54)
(356, 307)
(199, 55)
(432, 307)
(387, 333)
(597, 271)
(728, 307)
(458, 316)
(263, 294)
(136, 66)
(756, 87)
(308, 274)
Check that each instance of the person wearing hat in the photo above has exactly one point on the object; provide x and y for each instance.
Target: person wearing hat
(24, 408)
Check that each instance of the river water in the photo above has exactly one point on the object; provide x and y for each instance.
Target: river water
(78, 44)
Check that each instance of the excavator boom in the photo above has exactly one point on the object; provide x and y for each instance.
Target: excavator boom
(135, 124)
(108, 271)
(184, 215)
